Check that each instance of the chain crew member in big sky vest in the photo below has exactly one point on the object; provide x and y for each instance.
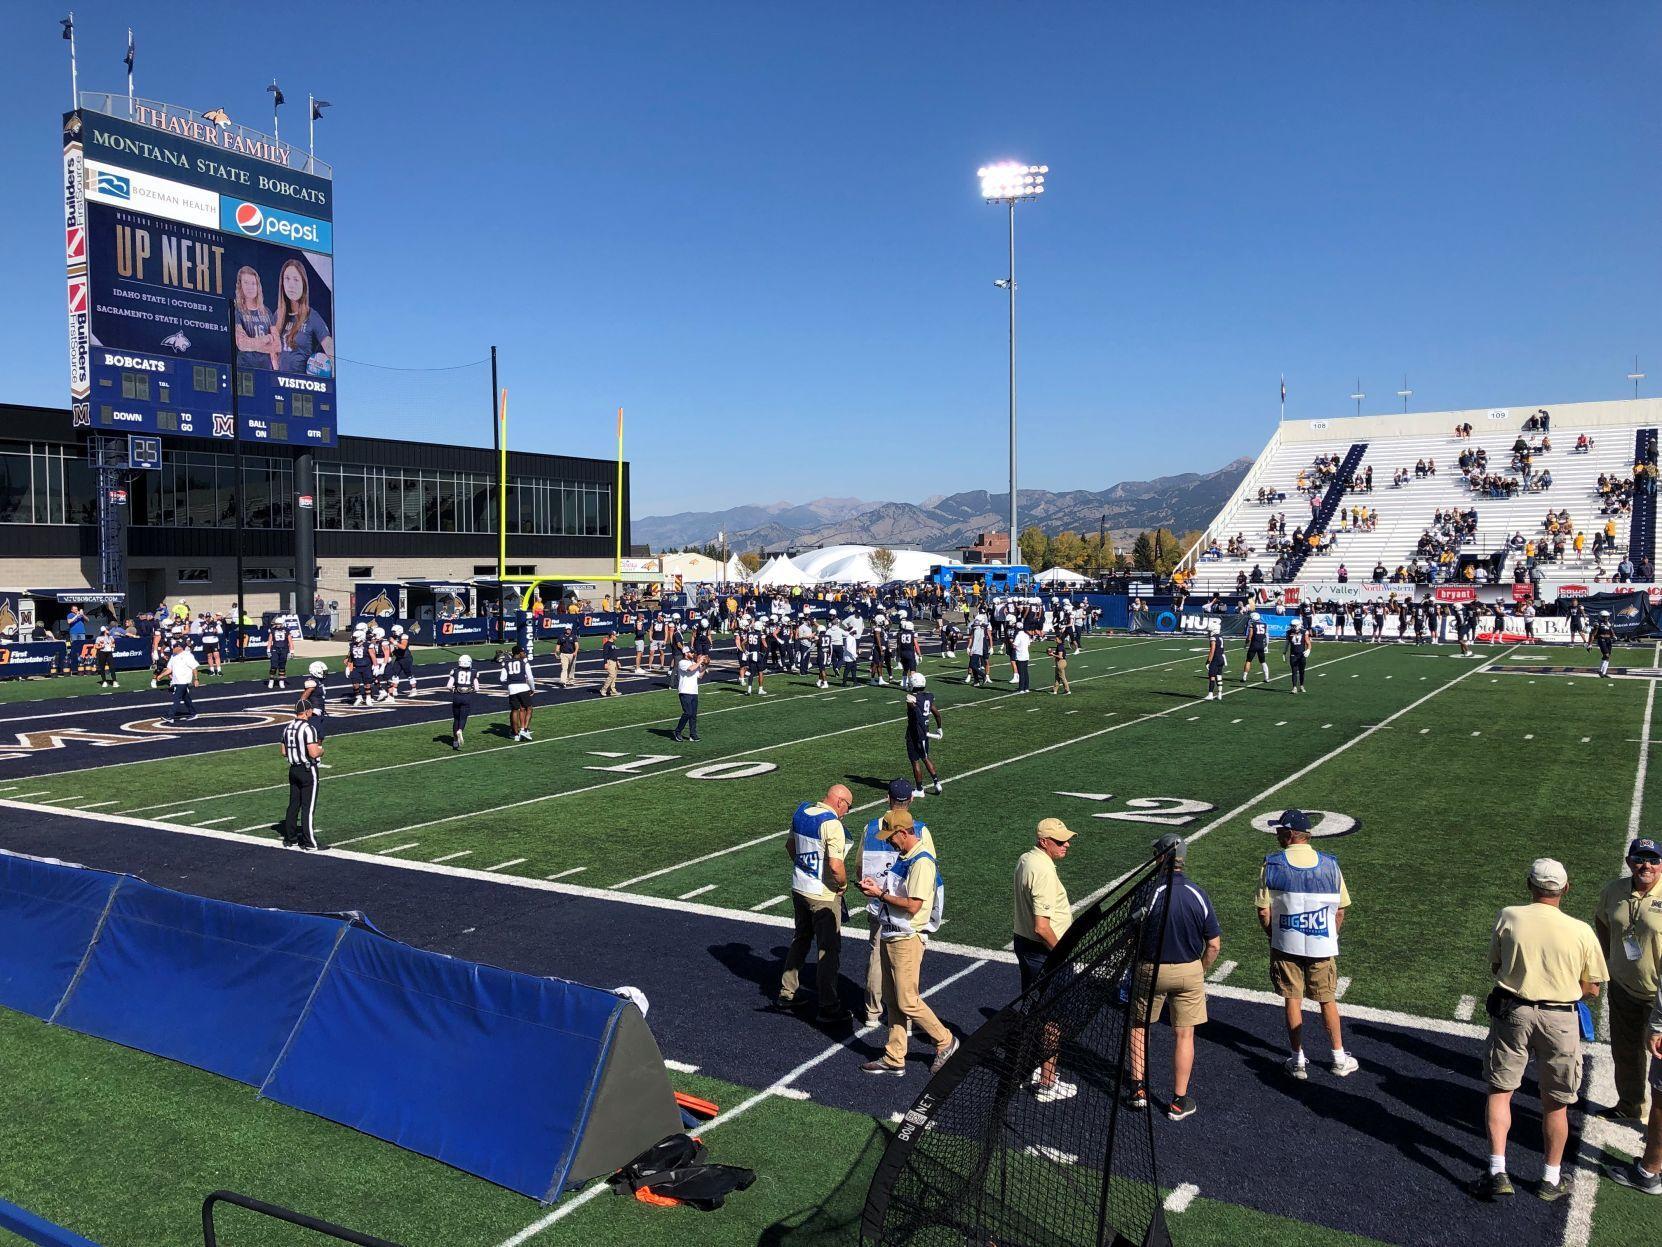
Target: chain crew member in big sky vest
(1301, 905)
(876, 856)
(816, 846)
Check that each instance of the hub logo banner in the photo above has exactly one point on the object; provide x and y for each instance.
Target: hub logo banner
(240, 216)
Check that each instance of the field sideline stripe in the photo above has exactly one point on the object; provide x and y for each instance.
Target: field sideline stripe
(991, 766)
(451, 757)
(1003, 956)
(1299, 774)
(698, 762)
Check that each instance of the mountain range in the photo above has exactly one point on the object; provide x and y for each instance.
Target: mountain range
(946, 521)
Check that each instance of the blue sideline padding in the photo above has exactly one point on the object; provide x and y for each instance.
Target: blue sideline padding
(209, 983)
(52, 911)
(488, 1070)
(33, 1229)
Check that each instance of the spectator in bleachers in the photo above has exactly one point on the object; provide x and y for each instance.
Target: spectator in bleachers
(1344, 574)
(1583, 444)
(1367, 479)
(1257, 576)
(1431, 467)
(1378, 572)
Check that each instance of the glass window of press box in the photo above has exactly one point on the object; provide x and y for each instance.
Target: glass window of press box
(43, 484)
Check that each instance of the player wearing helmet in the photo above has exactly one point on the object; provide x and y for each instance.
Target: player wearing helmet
(881, 660)
(1257, 646)
(358, 665)
(460, 686)
(908, 651)
(920, 707)
(1298, 653)
(403, 662)
(823, 654)
(380, 659)
(277, 639)
(1604, 636)
(314, 692)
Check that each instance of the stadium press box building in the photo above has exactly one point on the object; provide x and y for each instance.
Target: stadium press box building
(381, 510)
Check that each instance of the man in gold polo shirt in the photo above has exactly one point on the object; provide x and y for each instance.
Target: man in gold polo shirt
(909, 900)
(1628, 920)
(1042, 916)
(816, 845)
(1545, 963)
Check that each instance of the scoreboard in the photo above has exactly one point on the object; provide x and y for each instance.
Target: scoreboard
(197, 260)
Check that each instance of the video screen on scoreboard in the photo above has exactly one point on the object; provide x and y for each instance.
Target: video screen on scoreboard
(172, 303)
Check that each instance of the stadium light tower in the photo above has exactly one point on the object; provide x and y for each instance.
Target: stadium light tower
(1358, 396)
(1009, 182)
(1404, 393)
(1635, 376)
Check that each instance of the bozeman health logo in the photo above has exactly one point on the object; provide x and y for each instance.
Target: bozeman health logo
(274, 224)
(114, 185)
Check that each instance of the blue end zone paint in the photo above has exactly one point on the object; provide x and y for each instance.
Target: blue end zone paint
(1382, 1153)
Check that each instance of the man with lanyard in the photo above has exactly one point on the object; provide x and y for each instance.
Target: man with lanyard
(1298, 653)
(688, 672)
(815, 846)
(1175, 959)
(609, 664)
(182, 677)
(213, 632)
(1628, 920)
(1604, 636)
(302, 751)
(1301, 903)
(403, 663)
(1216, 661)
(920, 708)
(567, 648)
(1042, 916)
(517, 675)
(103, 657)
(909, 900)
(876, 856)
(1545, 964)
(460, 686)
(1021, 647)
(1257, 646)
(277, 646)
(358, 665)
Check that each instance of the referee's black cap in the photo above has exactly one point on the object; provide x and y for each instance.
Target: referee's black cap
(303, 706)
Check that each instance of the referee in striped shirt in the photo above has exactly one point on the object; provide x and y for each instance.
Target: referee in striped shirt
(301, 750)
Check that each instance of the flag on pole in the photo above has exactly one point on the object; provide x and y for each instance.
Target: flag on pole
(1283, 391)
(317, 109)
(276, 94)
(131, 51)
(68, 24)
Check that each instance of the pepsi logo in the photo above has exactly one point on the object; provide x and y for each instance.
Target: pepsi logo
(250, 220)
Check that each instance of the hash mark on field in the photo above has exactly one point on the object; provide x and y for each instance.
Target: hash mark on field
(1477, 733)
(1045, 1152)
(767, 904)
(512, 861)
(24, 796)
(687, 896)
(1035, 710)
(1181, 1197)
(1341, 988)
(59, 800)
(1325, 726)
(1464, 1010)
(175, 814)
(1424, 730)
(566, 874)
(1281, 723)
(93, 805)
(859, 700)
(1586, 740)
(1070, 712)
(1529, 735)
(1222, 970)
(210, 822)
(1193, 718)
(399, 848)
(792, 1093)
(450, 857)
(681, 1067)
(1234, 720)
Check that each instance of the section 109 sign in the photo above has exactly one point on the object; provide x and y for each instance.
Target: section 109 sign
(178, 275)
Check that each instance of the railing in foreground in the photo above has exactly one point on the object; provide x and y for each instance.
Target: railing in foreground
(337, 1232)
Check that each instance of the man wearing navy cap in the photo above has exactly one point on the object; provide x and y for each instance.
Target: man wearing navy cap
(1628, 919)
(1301, 905)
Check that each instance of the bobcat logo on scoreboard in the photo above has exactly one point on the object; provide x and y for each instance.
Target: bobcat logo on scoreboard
(380, 604)
(177, 342)
(8, 615)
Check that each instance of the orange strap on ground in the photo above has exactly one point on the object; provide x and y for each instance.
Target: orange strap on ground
(702, 1108)
(647, 1195)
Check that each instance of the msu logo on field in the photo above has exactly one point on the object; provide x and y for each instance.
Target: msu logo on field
(380, 604)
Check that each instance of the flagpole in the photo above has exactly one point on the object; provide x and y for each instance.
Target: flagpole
(311, 129)
(502, 485)
(1283, 418)
(74, 75)
(129, 73)
(618, 525)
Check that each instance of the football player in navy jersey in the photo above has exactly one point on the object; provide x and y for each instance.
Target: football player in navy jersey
(403, 663)
(920, 708)
(1298, 653)
(461, 686)
(358, 666)
(908, 651)
(314, 692)
(213, 632)
(277, 644)
(1215, 664)
(880, 660)
(751, 662)
(1257, 646)
(380, 659)
(1604, 636)
(827, 659)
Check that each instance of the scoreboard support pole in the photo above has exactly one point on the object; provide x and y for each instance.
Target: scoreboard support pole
(497, 417)
(242, 481)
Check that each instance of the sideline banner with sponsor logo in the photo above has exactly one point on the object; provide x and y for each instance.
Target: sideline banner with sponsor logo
(1631, 613)
(377, 600)
(470, 630)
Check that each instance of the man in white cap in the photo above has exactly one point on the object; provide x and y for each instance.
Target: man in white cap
(1545, 963)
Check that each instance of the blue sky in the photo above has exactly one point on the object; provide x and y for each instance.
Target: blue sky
(756, 227)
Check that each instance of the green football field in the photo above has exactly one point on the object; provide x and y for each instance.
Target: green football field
(1452, 774)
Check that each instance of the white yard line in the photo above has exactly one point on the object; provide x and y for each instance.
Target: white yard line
(401, 847)
(767, 904)
(783, 1087)
(951, 779)
(681, 1067)
(1222, 971)
(700, 891)
(1464, 1010)
(566, 874)
(1644, 764)
(1222, 819)
(450, 857)
(512, 861)
(95, 805)
(699, 762)
(211, 821)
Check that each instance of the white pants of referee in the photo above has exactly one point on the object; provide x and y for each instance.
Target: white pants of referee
(297, 825)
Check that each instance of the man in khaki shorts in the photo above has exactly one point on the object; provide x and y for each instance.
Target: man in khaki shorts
(1545, 963)
(1175, 959)
(1301, 905)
